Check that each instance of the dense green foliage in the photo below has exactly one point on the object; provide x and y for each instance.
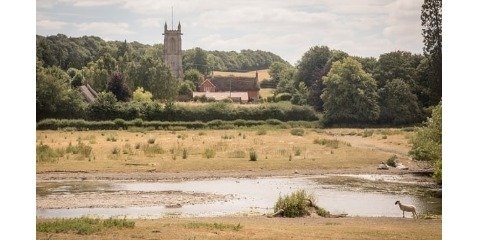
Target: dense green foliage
(245, 60)
(427, 143)
(350, 94)
(80, 124)
(298, 204)
(118, 87)
(431, 17)
(54, 96)
(107, 108)
(398, 104)
(83, 225)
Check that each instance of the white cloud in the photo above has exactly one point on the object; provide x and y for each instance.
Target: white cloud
(150, 22)
(46, 24)
(107, 30)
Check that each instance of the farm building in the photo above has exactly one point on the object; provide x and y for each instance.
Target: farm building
(221, 87)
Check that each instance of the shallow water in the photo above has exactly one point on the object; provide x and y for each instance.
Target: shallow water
(251, 196)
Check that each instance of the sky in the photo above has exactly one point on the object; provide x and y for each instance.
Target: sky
(287, 28)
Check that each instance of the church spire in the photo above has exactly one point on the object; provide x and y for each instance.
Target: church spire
(166, 27)
(179, 26)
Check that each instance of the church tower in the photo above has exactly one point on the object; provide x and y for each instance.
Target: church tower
(172, 50)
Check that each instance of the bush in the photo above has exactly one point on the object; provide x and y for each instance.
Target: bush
(392, 161)
(152, 149)
(47, 154)
(209, 153)
(282, 97)
(297, 131)
(253, 156)
(327, 142)
(293, 205)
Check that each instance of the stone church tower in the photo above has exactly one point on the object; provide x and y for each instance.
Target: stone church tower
(172, 51)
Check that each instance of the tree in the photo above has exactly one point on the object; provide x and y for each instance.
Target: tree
(301, 95)
(77, 80)
(397, 64)
(140, 95)
(117, 86)
(431, 17)
(196, 58)
(315, 90)
(194, 76)
(54, 97)
(427, 142)
(154, 76)
(104, 107)
(398, 104)
(350, 94)
(186, 88)
(312, 65)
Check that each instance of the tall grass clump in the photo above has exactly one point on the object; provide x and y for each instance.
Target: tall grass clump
(367, 133)
(293, 205)
(297, 132)
(83, 225)
(253, 156)
(209, 153)
(152, 149)
(81, 149)
(47, 154)
(327, 142)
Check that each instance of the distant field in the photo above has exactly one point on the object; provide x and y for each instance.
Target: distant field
(210, 150)
(262, 74)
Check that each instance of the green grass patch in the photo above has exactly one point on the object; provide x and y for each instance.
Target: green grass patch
(46, 153)
(332, 143)
(297, 132)
(152, 149)
(83, 225)
(80, 149)
(214, 226)
(209, 153)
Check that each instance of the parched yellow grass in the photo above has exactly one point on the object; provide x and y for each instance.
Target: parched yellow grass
(262, 74)
(276, 150)
(266, 92)
(261, 227)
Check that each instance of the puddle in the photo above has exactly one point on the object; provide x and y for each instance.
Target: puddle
(242, 196)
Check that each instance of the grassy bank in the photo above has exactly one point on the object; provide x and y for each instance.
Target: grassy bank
(267, 228)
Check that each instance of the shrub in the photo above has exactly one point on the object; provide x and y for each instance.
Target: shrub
(293, 205)
(253, 156)
(185, 153)
(115, 151)
(152, 149)
(392, 161)
(327, 142)
(47, 154)
(151, 141)
(81, 148)
(297, 131)
(261, 131)
(367, 133)
(209, 153)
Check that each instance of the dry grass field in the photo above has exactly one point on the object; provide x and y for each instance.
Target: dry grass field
(138, 150)
(260, 227)
(262, 74)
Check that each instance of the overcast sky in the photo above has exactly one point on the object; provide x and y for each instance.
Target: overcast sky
(287, 28)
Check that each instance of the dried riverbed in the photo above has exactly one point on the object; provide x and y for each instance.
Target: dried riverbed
(356, 195)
